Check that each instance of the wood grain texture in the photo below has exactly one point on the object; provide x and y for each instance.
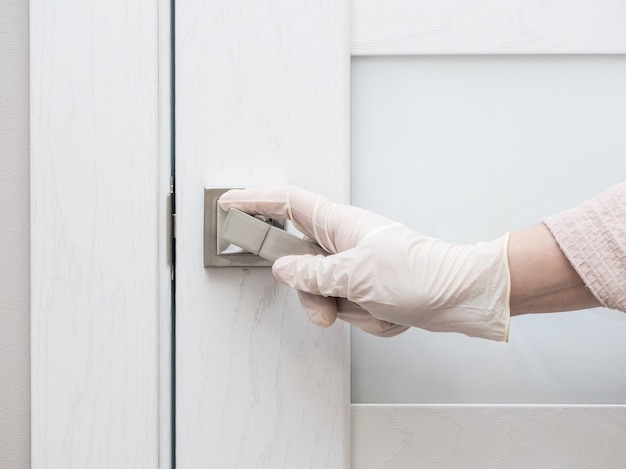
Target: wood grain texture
(449, 436)
(488, 27)
(95, 223)
(262, 98)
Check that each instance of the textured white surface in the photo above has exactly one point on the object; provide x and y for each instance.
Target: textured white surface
(95, 219)
(14, 245)
(488, 27)
(502, 437)
(262, 98)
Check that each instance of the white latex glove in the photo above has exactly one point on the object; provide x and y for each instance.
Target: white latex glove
(393, 276)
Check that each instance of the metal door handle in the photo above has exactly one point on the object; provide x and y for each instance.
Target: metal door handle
(262, 242)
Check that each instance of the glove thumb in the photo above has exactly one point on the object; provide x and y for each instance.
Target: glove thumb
(321, 310)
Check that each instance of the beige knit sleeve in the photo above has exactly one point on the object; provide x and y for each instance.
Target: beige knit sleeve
(593, 238)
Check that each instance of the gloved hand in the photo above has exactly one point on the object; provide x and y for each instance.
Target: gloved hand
(392, 276)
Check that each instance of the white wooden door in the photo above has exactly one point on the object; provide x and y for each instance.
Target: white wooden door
(262, 97)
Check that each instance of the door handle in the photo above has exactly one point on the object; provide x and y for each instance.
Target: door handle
(261, 241)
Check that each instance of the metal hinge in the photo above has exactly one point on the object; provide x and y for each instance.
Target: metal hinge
(171, 228)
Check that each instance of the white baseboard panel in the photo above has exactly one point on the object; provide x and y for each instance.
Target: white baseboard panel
(486, 436)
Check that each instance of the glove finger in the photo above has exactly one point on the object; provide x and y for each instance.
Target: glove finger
(321, 310)
(319, 275)
(335, 227)
(295, 271)
(357, 316)
(275, 202)
(330, 224)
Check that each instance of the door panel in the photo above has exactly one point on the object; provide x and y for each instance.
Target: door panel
(262, 98)
(464, 149)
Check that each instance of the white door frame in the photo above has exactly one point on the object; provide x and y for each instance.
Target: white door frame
(99, 178)
(100, 282)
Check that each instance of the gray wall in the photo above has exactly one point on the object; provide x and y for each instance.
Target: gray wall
(14, 237)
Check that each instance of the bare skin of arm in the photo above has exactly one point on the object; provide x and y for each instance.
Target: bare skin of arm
(542, 279)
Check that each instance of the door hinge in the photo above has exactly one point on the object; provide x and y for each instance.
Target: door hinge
(171, 228)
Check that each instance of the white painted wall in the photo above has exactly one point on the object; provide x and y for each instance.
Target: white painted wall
(14, 237)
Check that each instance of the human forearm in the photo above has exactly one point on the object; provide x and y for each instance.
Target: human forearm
(542, 279)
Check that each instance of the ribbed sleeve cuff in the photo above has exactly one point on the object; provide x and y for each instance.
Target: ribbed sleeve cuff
(593, 238)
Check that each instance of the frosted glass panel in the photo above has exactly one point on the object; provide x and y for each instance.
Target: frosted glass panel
(465, 148)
